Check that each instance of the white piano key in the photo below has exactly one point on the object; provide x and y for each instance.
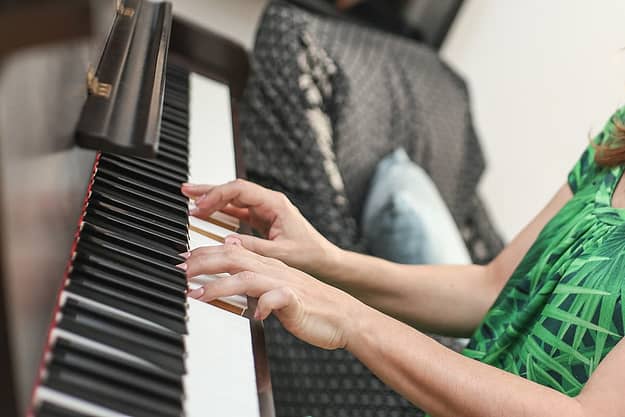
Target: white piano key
(220, 217)
(74, 404)
(220, 362)
(211, 144)
(235, 300)
(197, 240)
(209, 227)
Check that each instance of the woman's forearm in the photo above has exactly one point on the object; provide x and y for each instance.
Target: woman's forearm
(446, 299)
(443, 382)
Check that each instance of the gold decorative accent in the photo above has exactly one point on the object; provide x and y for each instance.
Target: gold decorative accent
(123, 10)
(95, 87)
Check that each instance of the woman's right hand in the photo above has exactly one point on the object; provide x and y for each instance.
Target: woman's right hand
(287, 234)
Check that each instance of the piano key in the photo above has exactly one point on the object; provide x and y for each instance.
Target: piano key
(129, 327)
(210, 132)
(126, 303)
(172, 208)
(124, 256)
(159, 253)
(174, 168)
(106, 394)
(148, 176)
(173, 160)
(122, 338)
(158, 171)
(109, 367)
(182, 115)
(164, 146)
(147, 232)
(208, 229)
(134, 205)
(105, 268)
(141, 367)
(141, 185)
(48, 409)
(94, 300)
(75, 405)
(121, 213)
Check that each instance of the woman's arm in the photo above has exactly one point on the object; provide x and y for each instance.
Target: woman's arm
(433, 377)
(418, 294)
(445, 299)
(447, 384)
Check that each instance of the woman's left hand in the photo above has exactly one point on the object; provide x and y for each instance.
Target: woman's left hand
(315, 312)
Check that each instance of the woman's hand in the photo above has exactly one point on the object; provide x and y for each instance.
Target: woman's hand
(313, 311)
(289, 236)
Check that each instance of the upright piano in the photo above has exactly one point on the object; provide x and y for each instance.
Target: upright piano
(106, 107)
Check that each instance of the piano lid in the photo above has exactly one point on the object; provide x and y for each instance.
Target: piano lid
(122, 112)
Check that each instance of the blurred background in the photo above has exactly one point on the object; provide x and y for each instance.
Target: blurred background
(542, 76)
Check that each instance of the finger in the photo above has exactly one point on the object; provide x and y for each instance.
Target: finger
(219, 259)
(281, 299)
(257, 245)
(244, 283)
(242, 214)
(195, 190)
(239, 193)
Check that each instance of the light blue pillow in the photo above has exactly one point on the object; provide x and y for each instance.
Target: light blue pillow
(405, 219)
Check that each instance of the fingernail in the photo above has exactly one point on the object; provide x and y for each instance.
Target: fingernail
(187, 184)
(185, 255)
(196, 293)
(182, 266)
(194, 211)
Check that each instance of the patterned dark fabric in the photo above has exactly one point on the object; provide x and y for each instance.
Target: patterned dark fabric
(326, 101)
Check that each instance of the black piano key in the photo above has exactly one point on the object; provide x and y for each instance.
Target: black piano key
(149, 199)
(105, 394)
(143, 186)
(165, 139)
(124, 280)
(173, 160)
(47, 409)
(155, 170)
(128, 227)
(165, 146)
(161, 360)
(132, 171)
(162, 375)
(123, 328)
(176, 121)
(181, 115)
(181, 170)
(125, 256)
(122, 302)
(166, 257)
(176, 96)
(175, 128)
(173, 136)
(109, 368)
(182, 106)
(134, 205)
(122, 212)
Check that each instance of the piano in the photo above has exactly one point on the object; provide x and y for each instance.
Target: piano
(104, 111)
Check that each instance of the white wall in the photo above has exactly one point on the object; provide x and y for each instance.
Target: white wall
(234, 19)
(543, 73)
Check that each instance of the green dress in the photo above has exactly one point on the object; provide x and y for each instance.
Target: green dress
(562, 310)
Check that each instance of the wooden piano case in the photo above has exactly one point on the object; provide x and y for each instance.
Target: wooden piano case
(46, 48)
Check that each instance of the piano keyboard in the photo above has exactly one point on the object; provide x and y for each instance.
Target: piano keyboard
(125, 340)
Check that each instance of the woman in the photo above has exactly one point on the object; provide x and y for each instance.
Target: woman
(546, 317)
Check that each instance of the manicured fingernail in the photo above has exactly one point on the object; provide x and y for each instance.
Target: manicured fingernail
(196, 293)
(182, 266)
(185, 255)
(194, 211)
